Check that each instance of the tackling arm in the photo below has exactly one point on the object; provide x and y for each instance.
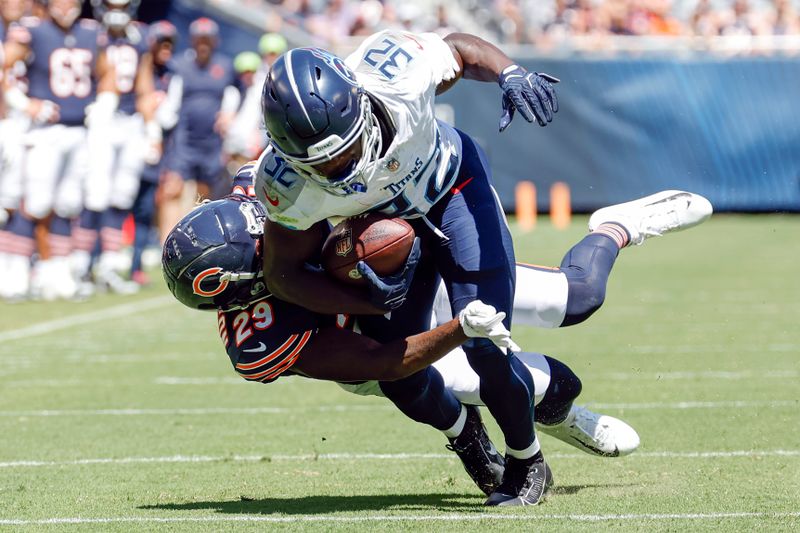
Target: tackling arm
(286, 253)
(341, 355)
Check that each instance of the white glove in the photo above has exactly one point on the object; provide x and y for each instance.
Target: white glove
(480, 320)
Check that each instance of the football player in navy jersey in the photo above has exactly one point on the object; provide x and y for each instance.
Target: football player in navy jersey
(202, 100)
(119, 143)
(161, 38)
(66, 71)
(212, 261)
(13, 126)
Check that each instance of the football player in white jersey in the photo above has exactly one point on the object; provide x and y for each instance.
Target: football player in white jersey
(347, 137)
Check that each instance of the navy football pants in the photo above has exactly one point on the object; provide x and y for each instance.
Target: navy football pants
(476, 261)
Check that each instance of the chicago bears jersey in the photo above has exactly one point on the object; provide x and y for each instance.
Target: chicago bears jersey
(266, 339)
(125, 53)
(62, 65)
(401, 71)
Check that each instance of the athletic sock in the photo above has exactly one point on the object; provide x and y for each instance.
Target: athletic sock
(86, 230)
(111, 229)
(455, 430)
(20, 233)
(60, 238)
(527, 453)
(617, 232)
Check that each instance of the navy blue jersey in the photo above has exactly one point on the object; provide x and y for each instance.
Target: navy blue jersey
(62, 64)
(125, 53)
(203, 87)
(266, 339)
(161, 76)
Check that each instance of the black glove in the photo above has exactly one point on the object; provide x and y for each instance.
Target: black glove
(530, 93)
(389, 292)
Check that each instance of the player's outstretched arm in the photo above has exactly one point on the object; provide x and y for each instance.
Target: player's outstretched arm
(341, 355)
(530, 93)
(288, 276)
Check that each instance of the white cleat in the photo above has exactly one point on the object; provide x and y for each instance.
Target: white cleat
(594, 433)
(52, 280)
(15, 282)
(655, 215)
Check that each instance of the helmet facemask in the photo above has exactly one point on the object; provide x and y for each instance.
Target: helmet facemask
(356, 175)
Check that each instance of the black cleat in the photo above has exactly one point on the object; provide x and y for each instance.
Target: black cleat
(477, 453)
(526, 481)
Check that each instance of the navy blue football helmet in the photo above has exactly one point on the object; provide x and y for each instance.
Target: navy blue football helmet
(212, 258)
(314, 110)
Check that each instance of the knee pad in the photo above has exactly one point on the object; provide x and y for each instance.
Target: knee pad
(564, 387)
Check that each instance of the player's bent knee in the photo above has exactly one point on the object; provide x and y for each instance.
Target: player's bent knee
(586, 294)
(564, 387)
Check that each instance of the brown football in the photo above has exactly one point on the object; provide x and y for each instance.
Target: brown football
(384, 243)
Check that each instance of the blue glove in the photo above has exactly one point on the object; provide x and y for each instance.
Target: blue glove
(530, 93)
(389, 292)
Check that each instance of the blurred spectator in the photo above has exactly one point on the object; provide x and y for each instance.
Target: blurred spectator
(202, 100)
(161, 39)
(246, 137)
(783, 19)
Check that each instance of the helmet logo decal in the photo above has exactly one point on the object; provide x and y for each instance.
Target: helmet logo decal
(336, 63)
(222, 284)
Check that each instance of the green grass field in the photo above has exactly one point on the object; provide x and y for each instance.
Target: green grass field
(124, 413)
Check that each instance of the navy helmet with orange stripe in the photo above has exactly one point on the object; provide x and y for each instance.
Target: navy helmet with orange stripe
(212, 258)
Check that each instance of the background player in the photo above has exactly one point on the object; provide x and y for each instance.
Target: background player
(202, 99)
(161, 37)
(66, 68)
(119, 144)
(266, 338)
(14, 124)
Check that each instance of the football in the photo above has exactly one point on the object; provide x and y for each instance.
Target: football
(384, 243)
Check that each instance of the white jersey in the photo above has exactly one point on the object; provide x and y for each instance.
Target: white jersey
(401, 70)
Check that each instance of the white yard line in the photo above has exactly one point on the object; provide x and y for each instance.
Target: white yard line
(71, 321)
(194, 411)
(365, 407)
(711, 375)
(531, 517)
(375, 457)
